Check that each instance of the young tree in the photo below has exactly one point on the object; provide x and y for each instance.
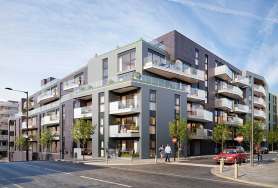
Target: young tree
(22, 143)
(220, 134)
(258, 132)
(46, 139)
(178, 130)
(82, 132)
(271, 138)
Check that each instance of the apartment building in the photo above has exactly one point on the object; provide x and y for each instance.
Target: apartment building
(131, 94)
(272, 115)
(7, 110)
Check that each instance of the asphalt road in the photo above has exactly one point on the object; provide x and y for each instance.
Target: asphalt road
(37, 174)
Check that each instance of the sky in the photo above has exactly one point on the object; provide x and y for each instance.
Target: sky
(42, 38)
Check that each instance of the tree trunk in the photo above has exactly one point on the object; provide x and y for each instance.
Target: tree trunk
(272, 146)
(178, 150)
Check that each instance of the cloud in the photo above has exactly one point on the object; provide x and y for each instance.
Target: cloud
(223, 10)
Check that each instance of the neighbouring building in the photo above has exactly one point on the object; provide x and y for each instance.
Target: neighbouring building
(272, 108)
(131, 94)
(7, 110)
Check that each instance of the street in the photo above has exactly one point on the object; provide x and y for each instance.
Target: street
(36, 174)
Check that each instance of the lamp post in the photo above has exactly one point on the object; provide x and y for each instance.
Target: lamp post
(27, 116)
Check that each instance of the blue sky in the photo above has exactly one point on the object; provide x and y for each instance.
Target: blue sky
(40, 38)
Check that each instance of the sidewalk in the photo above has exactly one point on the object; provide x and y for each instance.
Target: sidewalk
(263, 175)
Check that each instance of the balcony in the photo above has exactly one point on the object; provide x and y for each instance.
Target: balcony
(123, 131)
(234, 121)
(230, 91)
(3, 148)
(47, 96)
(56, 135)
(241, 108)
(123, 107)
(31, 125)
(33, 137)
(31, 105)
(259, 90)
(259, 114)
(4, 137)
(4, 127)
(24, 125)
(224, 104)
(194, 94)
(259, 102)
(241, 81)
(201, 134)
(200, 115)
(223, 72)
(50, 120)
(11, 138)
(71, 84)
(173, 71)
(83, 112)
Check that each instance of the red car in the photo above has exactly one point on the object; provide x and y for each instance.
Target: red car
(231, 155)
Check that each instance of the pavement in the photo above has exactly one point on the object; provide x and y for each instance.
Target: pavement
(51, 174)
(262, 174)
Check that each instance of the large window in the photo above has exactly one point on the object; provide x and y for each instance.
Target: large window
(156, 57)
(152, 123)
(105, 70)
(126, 60)
(177, 106)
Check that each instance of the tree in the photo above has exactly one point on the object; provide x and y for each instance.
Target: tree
(21, 142)
(82, 132)
(178, 130)
(259, 133)
(46, 139)
(220, 134)
(272, 137)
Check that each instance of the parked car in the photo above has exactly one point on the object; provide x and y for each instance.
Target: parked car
(264, 150)
(232, 155)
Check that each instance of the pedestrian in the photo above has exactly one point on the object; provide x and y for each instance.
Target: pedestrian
(161, 151)
(168, 152)
(259, 155)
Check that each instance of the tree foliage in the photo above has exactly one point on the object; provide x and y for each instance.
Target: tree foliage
(259, 133)
(178, 130)
(46, 138)
(272, 137)
(22, 143)
(220, 134)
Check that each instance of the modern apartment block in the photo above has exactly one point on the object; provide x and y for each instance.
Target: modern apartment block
(132, 93)
(272, 115)
(7, 110)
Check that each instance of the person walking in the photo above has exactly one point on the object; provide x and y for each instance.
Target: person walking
(168, 152)
(161, 151)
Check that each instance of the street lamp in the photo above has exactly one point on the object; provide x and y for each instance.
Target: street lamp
(27, 116)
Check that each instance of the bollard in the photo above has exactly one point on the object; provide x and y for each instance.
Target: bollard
(235, 170)
(221, 165)
(155, 159)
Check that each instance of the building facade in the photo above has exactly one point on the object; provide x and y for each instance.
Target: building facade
(7, 110)
(130, 95)
(272, 116)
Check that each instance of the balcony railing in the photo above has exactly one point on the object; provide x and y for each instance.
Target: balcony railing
(260, 102)
(224, 104)
(200, 115)
(241, 108)
(24, 125)
(47, 95)
(232, 121)
(194, 94)
(230, 90)
(173, 70)
(50, 119)
(259, 89)
(3, 148)
(241, 81)
(4, 137)
(123, 108)
(200, 133)
(124, 131)
(56, 135)
(223, 72)
(70, 84)
(83, 112)
(260, 114)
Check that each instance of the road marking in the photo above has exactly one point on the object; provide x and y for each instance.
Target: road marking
(175, 175)
(18, 186)
(49, 169)
(104, 181)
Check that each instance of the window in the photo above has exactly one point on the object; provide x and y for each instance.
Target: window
(206, 62)
(177, 106)
(152, 123)
(105, 70)
(126, 60)
(196, 57)
(156, 57)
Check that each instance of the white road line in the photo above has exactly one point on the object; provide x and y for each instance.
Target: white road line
(18, 186)
(104, 181)
(49, 169)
